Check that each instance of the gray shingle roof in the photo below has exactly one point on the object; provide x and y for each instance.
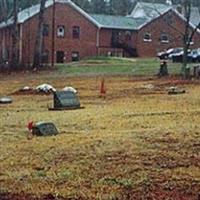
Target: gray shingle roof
(116, 22)
(26, 14)
(31, 11)
(195, 16)
(150, 11)
(102, 21)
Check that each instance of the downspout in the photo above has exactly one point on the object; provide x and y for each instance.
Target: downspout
(98, 40)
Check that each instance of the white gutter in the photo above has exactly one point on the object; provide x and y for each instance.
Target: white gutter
(98, 40)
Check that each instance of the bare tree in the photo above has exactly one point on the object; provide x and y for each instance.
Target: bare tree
(15, 38)
(188, 34)
(39, 37)
(3, 9)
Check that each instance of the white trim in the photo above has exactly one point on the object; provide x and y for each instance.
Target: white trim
(151, 20)
(34, 10)
(49, 3)
(145, 40)
(167, 10)
(184, 19)
(98, 39)
(73, 5)
(164, 41)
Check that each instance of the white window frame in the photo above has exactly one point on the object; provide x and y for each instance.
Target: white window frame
(165, 35)
(60, 34)
(147, 40)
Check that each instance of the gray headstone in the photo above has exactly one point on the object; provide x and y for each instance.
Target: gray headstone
(66, 99)
(44, 129)
(5, 100)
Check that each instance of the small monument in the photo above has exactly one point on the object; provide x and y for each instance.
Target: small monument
(65, 100)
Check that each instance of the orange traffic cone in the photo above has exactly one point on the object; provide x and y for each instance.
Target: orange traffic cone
(102, 89)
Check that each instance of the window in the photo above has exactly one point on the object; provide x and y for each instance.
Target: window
(61, 31)
(76, 32)
(164, 38)
(45, 31)
(147, 37)
(75, 56)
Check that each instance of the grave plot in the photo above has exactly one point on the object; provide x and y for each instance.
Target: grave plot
(43, 89)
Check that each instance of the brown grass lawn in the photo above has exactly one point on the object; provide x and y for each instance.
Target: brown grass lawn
(138, 143)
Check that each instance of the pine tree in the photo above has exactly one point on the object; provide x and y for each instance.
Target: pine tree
(98, 6)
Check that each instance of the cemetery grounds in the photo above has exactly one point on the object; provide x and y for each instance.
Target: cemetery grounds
(137, 143)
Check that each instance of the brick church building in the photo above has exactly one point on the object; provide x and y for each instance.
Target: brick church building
(77, 34)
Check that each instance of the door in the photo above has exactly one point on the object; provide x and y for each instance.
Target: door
(60, 56)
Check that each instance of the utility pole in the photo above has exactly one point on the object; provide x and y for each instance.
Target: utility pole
(53, 34)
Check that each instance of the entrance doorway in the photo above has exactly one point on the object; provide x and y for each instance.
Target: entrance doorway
(60, 56)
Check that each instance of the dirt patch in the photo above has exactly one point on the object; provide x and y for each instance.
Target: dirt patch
(127, 193)
(176, 82)
(30, 92)
(21, 196)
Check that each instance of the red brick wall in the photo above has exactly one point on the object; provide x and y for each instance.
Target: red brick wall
(105, 42)
(158, 26)
(105, 37)
(105, 48)
(67, 16)
(6, 35)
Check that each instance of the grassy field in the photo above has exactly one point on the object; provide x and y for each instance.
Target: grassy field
(110, 65)
(139, 143)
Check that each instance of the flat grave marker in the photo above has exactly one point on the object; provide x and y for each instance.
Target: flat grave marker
(44, 129)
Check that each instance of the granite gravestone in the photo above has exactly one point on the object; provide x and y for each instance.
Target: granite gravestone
(66, 100)
(44, 129)
(5, 100)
